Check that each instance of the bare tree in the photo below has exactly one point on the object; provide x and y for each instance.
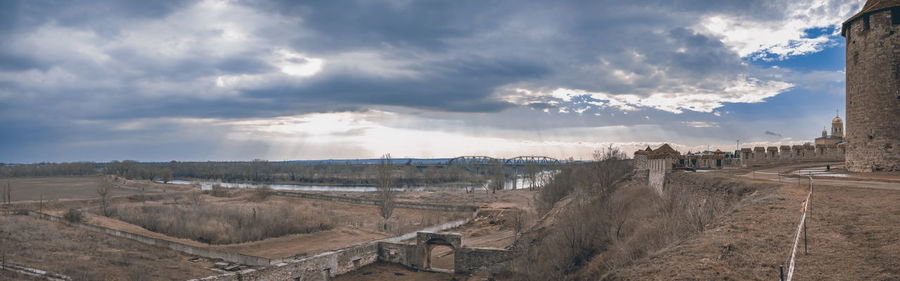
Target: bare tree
(7, 194)
(498, 175)
(166, 175)
(386, 188)
(531, 174)
(610, 166)
(103, 190)
(195, 198)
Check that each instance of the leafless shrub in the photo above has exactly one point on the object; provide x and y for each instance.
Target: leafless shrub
(592, 181)
(104, 188)
(624, 225)
(222, 224)
(7, 193)
(195, 198)
(262, 193)
(74, 215)
(521, 219)
(218, 191)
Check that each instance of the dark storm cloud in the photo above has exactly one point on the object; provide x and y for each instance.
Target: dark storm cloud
(105, 60)
(461, 52)
(461, 84)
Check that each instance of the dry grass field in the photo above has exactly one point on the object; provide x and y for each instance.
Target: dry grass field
(852, 235)
(176, 217)
(241, 221)
(85, 255)
(55, 188)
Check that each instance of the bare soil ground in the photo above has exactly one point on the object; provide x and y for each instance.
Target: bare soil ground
(852, 236)
(520, 199)
(86, 255)
(384, 271)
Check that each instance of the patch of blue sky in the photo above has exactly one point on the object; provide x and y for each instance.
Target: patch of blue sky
(831, 58)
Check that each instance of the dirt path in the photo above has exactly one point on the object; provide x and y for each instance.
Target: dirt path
(383, 271)
(773, 175)
(852, 235)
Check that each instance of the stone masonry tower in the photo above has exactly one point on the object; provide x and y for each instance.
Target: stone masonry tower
(873, 87)
(837, 127)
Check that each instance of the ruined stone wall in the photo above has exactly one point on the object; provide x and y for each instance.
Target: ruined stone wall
(873, 93)
(325, 265)
(320, 267)
(398, 253)
(657, 175)
(469, 260)
(465, 259)
(640, 162)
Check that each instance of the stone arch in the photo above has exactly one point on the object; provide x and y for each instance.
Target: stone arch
(430, 245)
(427, 241)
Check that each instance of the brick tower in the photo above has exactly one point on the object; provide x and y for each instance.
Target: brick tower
(873, 87)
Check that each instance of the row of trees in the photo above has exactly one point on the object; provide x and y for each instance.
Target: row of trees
(135, 170)
(341, 174)
(261, 171)
(50, 169)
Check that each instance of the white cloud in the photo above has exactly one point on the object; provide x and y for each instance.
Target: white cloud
(700, 124)
(296, 64)
(766, 38)
(746, 90)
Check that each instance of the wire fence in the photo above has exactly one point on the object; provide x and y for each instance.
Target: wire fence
(801, 230)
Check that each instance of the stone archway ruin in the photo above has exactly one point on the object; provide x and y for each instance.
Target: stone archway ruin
(427, 241)
(430, 245)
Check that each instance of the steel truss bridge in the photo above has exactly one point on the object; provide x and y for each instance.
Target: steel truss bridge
(511, 170)
(515, 161)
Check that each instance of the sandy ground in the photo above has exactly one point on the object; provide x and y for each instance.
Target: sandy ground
(852, 236)
(86, 255)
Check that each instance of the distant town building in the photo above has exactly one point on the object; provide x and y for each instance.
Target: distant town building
(837, 133)
(873, 87)
(828, 147)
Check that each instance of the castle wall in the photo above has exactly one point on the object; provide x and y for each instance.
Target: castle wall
(657, 174)
(788, 154)
(640, 162)
(873, 93)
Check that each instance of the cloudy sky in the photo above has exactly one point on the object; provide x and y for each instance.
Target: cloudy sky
(100, 80)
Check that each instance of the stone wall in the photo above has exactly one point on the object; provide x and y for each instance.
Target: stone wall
(328, 264)
(788, 154)
(640, 162)
(320, 267)
(398, 253)
(470, 260)
(873, 93)
(323, 266)
(465, 259)
(657, 175)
